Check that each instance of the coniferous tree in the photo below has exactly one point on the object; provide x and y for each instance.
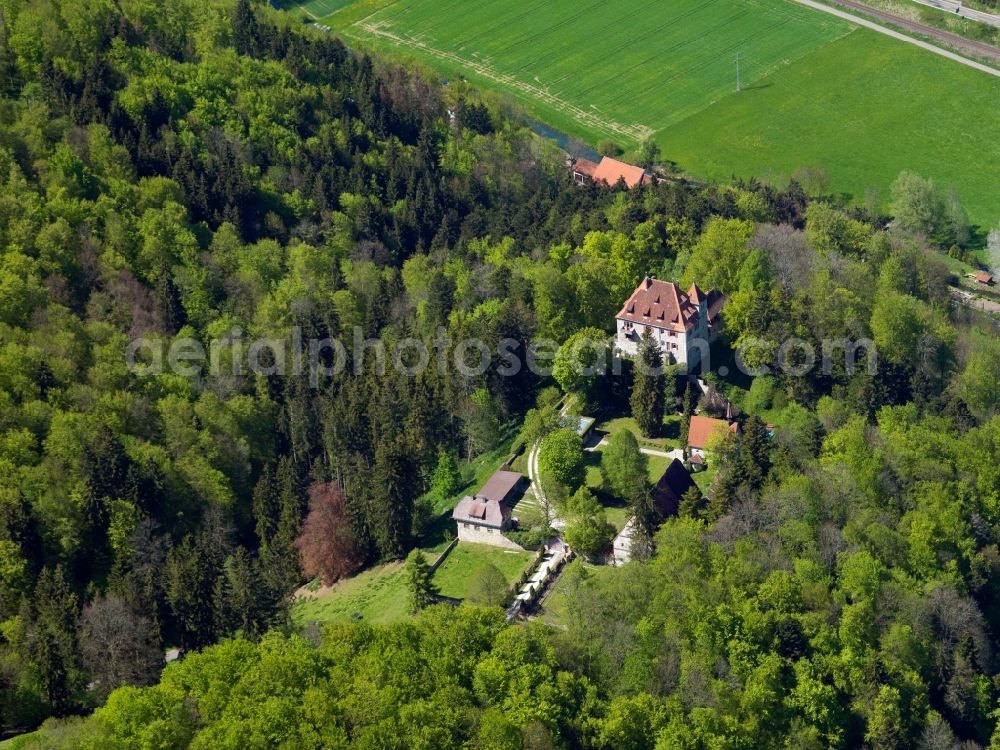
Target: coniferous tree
(648, 391)
(688, 405)
(754, 455)
(168, 303)
(191, 594)
(279, 560)
(418, 580)
(392, 510)
(265, 506)
(692, 502)
(243, 609)
(246, 31)
(446, 479)
(52, 617)
(192, 571)
(646, 519)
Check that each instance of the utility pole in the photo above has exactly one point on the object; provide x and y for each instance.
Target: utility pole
(738, 88)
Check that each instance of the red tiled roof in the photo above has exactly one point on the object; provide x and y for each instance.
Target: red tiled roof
(661, 304)
(610, 170)
(585, 166)
(703, 428)
(984, 278)
(715, 300)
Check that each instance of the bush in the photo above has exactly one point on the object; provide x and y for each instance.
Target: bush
(532, 538)
(607, 147)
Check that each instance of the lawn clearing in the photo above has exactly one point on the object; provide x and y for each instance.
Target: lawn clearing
(594, 478)
(457, 574)
(815, 89)
(617, 515)
(378, 595)
(656, 465)
(705, 478)
(611, 425)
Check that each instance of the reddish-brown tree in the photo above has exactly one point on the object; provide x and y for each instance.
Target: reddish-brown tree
(326, 541)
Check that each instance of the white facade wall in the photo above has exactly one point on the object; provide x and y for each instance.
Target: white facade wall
(675, 346)
(622, 545)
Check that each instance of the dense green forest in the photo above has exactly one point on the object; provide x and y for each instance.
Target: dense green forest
(185, 170)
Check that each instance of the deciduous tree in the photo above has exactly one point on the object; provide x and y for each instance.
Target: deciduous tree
(326, 542)
(489, 586)
(624, 467)
(581, 363)
(587, 528)
(561, 457)
(119, 645)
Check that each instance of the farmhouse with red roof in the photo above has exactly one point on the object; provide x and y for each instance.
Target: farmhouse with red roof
(681, 323)
(704, 429)
(609, 171)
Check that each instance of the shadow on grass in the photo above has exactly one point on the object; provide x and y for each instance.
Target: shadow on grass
(439, 532)
(671, 430)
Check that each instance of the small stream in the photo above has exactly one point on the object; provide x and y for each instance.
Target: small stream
(581, 149)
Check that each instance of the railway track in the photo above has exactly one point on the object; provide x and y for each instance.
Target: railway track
(969, 46)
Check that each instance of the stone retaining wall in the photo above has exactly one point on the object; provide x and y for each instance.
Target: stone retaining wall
(480, 535)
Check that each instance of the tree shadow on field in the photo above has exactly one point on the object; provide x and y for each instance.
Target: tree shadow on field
(439, 532)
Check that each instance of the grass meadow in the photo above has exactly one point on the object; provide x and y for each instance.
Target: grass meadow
(816, 91)
(458, 573)
(376, 595)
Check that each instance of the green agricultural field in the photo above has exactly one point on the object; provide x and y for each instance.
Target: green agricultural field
(816, 91)
(317, 9)
(865, 107)
(457, 573)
